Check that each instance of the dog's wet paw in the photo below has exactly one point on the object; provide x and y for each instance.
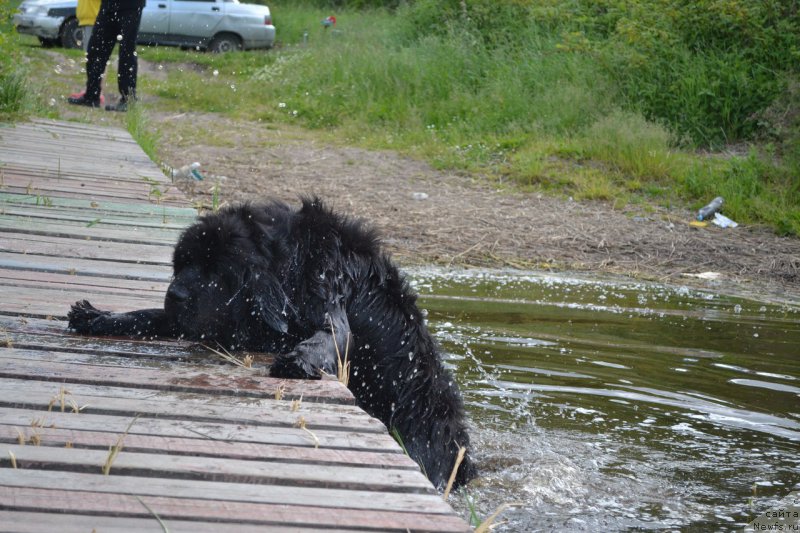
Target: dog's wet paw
(293, 366)
(82, 315)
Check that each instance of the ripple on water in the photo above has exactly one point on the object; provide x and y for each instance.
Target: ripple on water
(606, 406)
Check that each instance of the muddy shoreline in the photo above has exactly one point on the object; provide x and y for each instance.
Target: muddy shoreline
(432, 217)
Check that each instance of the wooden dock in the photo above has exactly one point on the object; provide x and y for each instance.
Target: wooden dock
(205, 445)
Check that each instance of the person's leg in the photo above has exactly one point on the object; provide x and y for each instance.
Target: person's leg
(128, 64)
(104, 36)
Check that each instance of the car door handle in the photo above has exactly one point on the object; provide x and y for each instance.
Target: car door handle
(214, 9)
(162, 6)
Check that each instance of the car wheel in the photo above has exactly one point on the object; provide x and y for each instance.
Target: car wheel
(71, 34)
(225, 42)
(48, 43)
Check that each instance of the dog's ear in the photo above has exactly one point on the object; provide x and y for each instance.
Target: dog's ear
(271, 303)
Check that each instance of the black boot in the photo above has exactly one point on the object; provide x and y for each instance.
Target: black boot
(120, 106)
(82, 100)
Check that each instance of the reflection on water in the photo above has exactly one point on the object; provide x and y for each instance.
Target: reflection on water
(606, 406)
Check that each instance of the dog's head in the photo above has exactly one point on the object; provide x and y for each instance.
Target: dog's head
(226, 278)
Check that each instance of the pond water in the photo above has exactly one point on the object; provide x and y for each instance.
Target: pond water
(606, 406)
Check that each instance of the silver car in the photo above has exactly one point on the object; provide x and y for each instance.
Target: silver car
(52, 21)
(215, 25)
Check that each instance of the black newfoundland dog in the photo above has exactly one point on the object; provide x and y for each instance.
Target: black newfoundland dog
(300, 284)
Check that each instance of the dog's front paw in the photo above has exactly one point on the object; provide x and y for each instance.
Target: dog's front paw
(82, 315)
(293, 366)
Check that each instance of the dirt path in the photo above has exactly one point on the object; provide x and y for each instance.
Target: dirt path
(430, 216)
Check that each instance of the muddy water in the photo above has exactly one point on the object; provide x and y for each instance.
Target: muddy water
(608, 406)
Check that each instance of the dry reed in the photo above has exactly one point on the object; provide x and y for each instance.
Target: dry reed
(113, 451)
(164, 527)
(301, 423)
(342, 365)
(279, 391)
(459, 458)
(226, 355)
(487, 524)
(296, 404)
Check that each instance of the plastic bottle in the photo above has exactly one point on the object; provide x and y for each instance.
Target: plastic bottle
(709, 210)
(187, 172)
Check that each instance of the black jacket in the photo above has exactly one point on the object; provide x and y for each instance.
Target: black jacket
(122, 5)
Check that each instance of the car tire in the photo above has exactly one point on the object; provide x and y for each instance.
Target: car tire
(48, 43)
(71, 34)
(225, 42)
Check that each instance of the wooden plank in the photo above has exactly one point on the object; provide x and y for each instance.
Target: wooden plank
(148, 465)
(59, 131)
(27, 244)
(44, 396)
(36, 522)
(196, 447)
(172, 351)
(317, 515)
(28, 364)
(97, 189)
(61, 163)
(173, 213)
(84, 267)
(46, 303)
(108, 145)
(89, 216)
(100, 231)
(329, 499)
(148, 358)
(32, 422)
(67, 192)
(89, 284)
(55, 151)
(40, 217)
(97, 175)
(110, 159)
(52, 336)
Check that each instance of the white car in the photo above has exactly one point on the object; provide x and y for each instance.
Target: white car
(215, 25)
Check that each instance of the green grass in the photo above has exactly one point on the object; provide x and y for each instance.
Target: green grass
(598, 105)
(16, 95)
(142, 131)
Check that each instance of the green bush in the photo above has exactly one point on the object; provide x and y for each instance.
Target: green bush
(704, 67)
(14, 93)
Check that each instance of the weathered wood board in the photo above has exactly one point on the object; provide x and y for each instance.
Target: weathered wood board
(203, 445)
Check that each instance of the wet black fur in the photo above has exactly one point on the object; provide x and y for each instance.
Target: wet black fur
(271, 278)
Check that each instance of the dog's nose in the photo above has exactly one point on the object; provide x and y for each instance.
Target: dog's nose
(177, 293)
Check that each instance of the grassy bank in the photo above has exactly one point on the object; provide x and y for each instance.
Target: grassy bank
(15, 99)
(622, 101)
